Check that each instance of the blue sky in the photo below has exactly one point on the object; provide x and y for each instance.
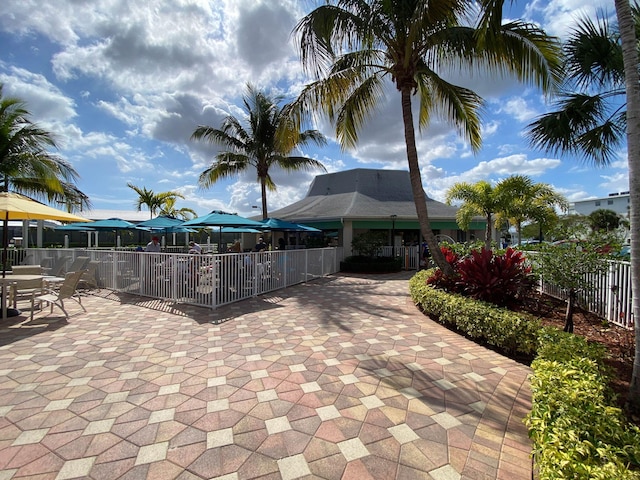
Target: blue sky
(123, 85)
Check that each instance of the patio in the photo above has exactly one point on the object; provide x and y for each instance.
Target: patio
(341, 377)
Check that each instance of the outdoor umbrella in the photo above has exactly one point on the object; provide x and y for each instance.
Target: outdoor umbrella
(109, 224)
(161, 222)
(14, 206)
(221, 219)
(284, 226)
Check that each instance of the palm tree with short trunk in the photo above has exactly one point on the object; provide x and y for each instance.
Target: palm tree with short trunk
(354, 46)
(521, 199)
(169, 208)
(153, 201)
(477, 199)
(265, 140)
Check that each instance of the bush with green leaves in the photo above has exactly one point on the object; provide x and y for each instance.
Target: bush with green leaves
(515, 333)
(576, 430)
(368, 244)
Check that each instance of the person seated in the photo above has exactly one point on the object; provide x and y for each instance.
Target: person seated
(236, 247)
(260, 246)
(194, 246)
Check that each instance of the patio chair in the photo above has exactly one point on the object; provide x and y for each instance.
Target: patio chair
(90, 277)
(27, 270)
(58, 266)
(25, 289)
(80, 263)
(27, 260)
(67, 290)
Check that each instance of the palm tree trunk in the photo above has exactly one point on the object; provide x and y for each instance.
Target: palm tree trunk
(419, 196)
(487, 234)
(263, 192)
(632, 80)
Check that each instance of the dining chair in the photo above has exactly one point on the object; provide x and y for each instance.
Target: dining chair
(67, 291)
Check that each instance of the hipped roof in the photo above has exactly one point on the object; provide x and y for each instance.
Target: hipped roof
(361, 194)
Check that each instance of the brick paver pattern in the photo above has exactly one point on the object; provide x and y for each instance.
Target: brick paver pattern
(340, 378)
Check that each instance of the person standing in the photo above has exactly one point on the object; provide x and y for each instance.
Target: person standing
(153, 245)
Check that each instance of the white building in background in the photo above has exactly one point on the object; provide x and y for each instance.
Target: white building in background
(617, 202)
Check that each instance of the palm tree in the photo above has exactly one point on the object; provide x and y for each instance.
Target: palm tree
(589, 119)
(604, 57)
(521, 199)
(477, 199)
(26, 164)
(626, 25)
(267, 140)
(153, 201)
(169, 208)
(353, 45)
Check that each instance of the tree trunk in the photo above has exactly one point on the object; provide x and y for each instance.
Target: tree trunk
(487, 235)
(632, 81)
(419, 196)
(263, 192)
(568, 316)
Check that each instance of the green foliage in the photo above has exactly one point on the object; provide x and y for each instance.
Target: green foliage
(575, 429)
(603, 219)
(567, 265)
(513, 332)
(369, 243)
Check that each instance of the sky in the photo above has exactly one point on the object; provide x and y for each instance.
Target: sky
(122, 86)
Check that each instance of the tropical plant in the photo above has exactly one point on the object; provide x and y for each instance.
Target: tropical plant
(267, 140)
(627, 27)
(570, 266)
(169, 208)
(153, 201)
(604, 220)
(26, 163)
(477, 199)
(603, 57)
(521, 199)
(352, 46)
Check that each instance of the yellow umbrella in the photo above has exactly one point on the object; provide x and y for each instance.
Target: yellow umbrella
(14, 206)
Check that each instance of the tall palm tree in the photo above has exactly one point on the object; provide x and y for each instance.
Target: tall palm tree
(629, 41)
(589, 118)
(169, 208)
(267, 140)
(351, 46)
(153, 201)
(477, 199)
(521, 199)
(594, 124)
(26, 163)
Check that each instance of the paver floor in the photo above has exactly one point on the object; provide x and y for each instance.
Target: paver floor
(340, 378)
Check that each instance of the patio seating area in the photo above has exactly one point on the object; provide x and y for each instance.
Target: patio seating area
(339, 378)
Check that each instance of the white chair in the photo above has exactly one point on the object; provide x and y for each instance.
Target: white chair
(67, 290)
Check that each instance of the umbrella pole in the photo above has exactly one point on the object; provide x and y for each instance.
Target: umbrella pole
(5, 243)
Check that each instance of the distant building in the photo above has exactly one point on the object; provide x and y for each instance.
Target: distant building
(347, 203)
(617, 202)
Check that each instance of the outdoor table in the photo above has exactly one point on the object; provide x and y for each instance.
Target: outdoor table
(13, 279)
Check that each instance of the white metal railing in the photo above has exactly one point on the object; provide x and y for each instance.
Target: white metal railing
(207, 280)
(410, 255)
(609, 296)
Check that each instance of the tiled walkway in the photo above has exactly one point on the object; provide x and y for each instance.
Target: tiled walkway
(338, 378)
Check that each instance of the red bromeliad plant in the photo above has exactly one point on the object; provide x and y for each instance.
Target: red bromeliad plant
(499, 279)
(442, 281)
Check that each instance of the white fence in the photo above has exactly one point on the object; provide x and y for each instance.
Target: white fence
(205, 280)
(610, 294)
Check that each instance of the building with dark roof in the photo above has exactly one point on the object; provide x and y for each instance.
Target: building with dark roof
(354, 201)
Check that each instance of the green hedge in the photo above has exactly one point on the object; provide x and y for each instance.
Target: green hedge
(576, 430)
(515, 333)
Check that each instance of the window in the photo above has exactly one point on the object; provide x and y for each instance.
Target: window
(597, 203)
(609, 202)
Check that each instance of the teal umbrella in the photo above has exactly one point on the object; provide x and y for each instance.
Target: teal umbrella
(221, 219)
